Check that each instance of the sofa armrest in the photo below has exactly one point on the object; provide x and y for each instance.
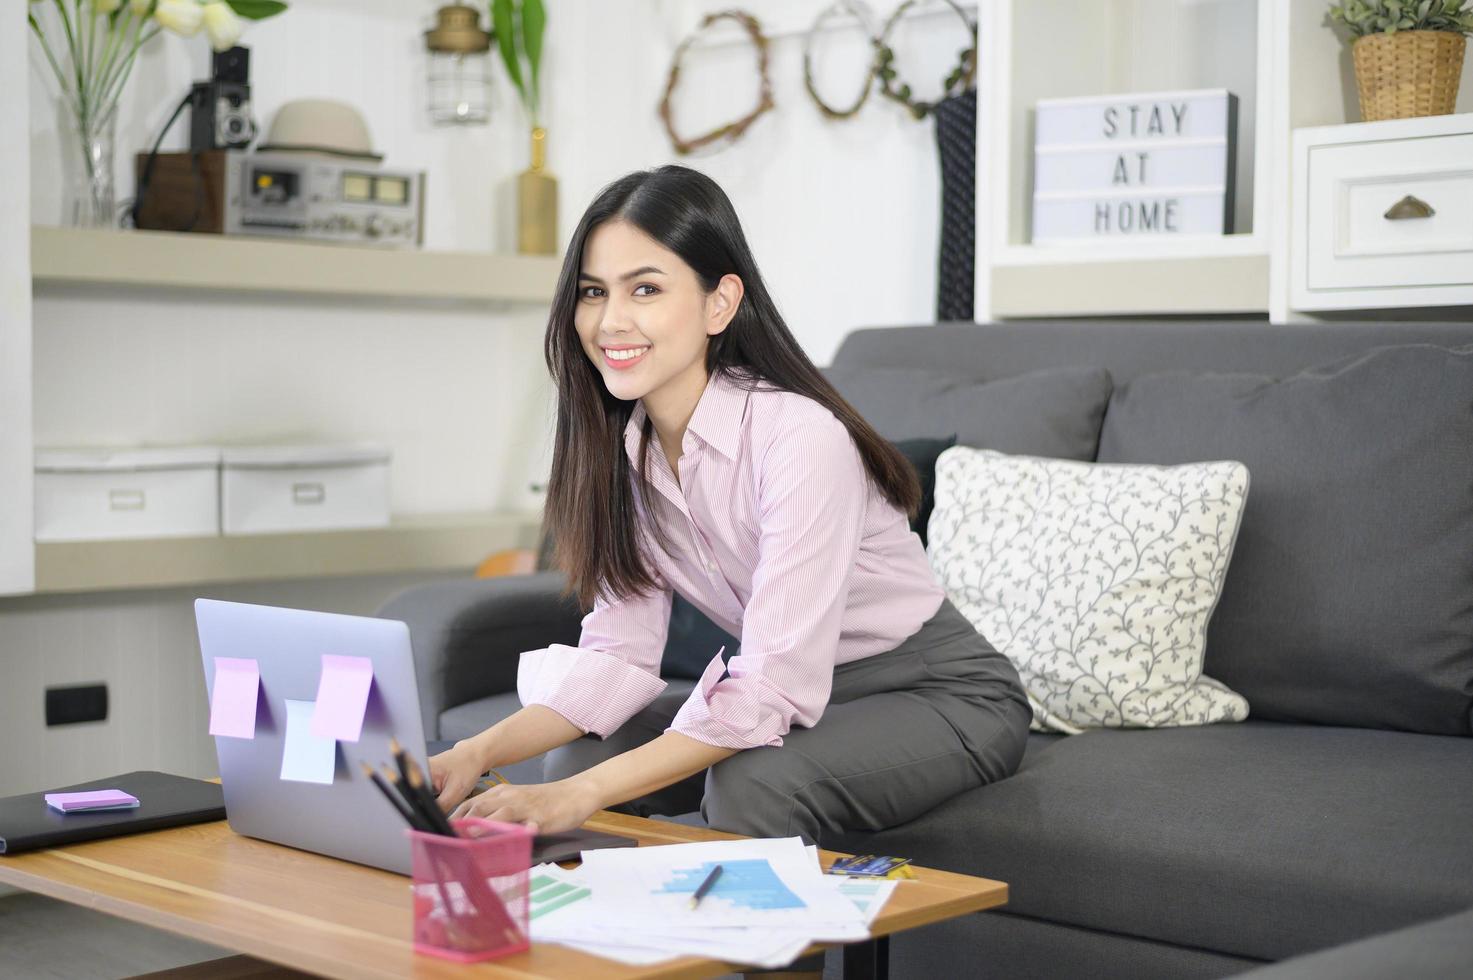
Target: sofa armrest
(468, 634)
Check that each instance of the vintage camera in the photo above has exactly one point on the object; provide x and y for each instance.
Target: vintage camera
(220, 109)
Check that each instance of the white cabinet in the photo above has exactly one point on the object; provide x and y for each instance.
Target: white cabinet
(1383, 215)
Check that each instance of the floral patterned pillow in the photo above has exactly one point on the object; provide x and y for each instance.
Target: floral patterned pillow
(1096, 580)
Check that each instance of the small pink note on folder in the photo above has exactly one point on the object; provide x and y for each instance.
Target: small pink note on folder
(101, 799)
(233, 701)
(342, 697)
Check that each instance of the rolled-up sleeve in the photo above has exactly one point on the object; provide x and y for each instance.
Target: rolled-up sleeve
(812, 490)
(612, 673)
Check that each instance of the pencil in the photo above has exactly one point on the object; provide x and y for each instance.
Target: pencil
(432, 809)
(706, 886)
(409, 815)
(412, 801)
(417, 791)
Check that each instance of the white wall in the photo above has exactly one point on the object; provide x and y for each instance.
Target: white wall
(842, 218)
(17, 572)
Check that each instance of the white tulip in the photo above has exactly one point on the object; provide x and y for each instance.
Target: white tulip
(180, 16)
(222, 25)
(140, 7)
(106, 7)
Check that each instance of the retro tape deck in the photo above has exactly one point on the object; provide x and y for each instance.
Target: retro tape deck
(284, 195)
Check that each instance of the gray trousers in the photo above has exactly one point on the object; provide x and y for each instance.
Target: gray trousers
(905, 730)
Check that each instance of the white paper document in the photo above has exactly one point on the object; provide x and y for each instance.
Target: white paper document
(769, 903)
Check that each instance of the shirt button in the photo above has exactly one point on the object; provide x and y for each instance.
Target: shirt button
(710, 566)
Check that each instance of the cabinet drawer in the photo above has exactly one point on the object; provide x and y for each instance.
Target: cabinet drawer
(1427, 186)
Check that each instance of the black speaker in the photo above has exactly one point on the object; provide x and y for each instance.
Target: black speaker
(220, 109)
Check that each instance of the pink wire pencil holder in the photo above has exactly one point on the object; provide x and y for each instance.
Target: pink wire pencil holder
(470, 891)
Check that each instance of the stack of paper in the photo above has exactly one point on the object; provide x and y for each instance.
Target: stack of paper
(770, 902)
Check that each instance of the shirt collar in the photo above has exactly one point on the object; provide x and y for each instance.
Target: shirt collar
(717, 420)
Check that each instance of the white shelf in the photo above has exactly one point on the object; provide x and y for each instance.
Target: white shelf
(1153, 250)
(1206, 285)
(1043, 49)
(411, 543)
(177, 260)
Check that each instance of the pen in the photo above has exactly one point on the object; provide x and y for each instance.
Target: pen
(705, 886)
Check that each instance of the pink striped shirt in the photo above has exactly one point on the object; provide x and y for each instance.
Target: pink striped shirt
(781, 539)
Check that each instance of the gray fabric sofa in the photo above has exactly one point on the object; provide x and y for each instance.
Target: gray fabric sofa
(1338, 811)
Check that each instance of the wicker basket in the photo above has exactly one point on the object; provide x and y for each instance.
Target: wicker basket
(1409, 73)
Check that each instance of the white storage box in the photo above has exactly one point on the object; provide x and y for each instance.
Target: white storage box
(275, 489)
(104, 494)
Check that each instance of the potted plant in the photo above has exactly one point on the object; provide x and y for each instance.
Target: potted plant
(518, 26)
(90, 46)
(1408, 54)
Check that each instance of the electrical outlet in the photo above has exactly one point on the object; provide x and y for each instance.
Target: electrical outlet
(75, 704)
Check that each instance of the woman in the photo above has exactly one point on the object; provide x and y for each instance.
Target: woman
(860, 697)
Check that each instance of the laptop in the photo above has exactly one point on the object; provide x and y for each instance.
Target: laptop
(348, 818)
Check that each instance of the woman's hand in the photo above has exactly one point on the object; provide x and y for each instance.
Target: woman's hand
(546, 808)
(454, 772)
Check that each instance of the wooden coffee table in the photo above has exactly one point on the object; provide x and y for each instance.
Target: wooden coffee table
(333, 918)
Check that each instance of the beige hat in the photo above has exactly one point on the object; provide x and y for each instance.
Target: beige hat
(320, 126)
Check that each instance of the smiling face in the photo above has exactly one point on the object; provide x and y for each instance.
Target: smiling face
(644, 318)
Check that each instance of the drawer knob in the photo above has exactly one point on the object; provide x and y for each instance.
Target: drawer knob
(1409, 207)
(308, 493)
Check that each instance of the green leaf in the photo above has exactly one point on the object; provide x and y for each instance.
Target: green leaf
(534, 24)
(256, 9)
(501, 19)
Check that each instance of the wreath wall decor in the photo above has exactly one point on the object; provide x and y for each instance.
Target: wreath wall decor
(958, 81)
(881, 67)
(860, 11)
(732, 131)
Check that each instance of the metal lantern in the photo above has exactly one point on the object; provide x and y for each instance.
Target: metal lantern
(459, 69)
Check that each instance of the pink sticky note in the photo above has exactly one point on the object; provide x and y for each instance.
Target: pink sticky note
(101, 799)
(342, 696)
(233, 701)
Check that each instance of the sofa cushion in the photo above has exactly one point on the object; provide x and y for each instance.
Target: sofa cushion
(1350, 598)
(1055, 412)
(1097, 581)
(1259, 840)
(1432, 950)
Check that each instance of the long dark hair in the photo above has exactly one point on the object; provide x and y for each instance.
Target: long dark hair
(591, 513)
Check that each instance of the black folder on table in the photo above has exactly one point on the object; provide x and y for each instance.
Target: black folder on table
(568, 845)
(164, 800)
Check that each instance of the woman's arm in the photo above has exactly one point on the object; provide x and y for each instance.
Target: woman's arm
(667, 759)
(530, 732)
(567, 803)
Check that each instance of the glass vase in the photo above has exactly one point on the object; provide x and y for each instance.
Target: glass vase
(87, 140)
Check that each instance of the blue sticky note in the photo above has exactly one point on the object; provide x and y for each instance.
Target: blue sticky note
(306, 758)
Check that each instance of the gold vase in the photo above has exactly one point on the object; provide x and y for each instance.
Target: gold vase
(537, 202)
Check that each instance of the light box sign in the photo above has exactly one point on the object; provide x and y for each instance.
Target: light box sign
(1149, 165)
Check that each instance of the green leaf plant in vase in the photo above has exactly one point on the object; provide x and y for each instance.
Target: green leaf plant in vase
(1408, 54)
(90, 46)
(519, 26)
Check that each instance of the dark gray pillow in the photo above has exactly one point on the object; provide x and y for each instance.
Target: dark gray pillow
(1349, 600)
(922, 453)
(693, 640)
(1055, 412)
